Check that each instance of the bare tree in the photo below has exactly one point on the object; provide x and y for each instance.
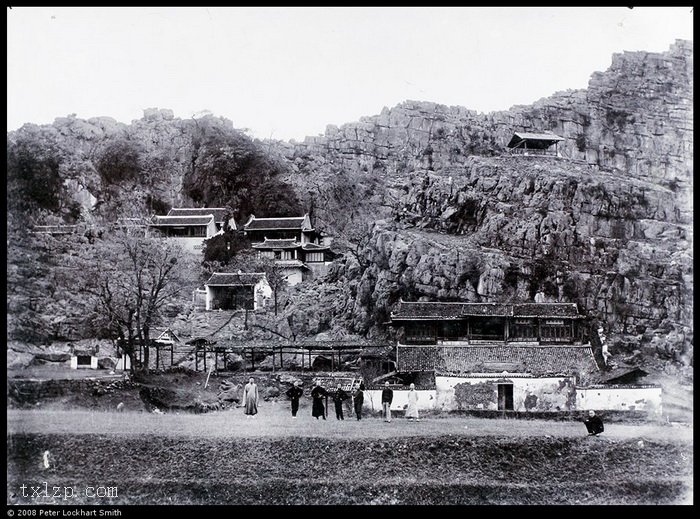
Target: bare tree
(132, 280)
(355, 241)
(275, 277)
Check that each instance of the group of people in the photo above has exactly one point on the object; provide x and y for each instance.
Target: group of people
(319, 393)
(250, 397)
(249, 401)
(411, 407)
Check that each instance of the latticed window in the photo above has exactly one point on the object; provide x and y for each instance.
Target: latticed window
(421, 333)
(556, 330)
(453, 330)
(314, 257)
(523, 329)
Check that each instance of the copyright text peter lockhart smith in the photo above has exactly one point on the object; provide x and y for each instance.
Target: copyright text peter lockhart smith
(78, 512)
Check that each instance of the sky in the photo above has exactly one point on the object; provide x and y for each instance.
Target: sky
(286, 73)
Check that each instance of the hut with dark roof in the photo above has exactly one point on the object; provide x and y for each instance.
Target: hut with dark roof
(534, 143)
(237, 291)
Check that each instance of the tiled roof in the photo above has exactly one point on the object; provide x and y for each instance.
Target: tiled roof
(428, 310)
(569, 310)
(536, 140)
(291, 243)
(538, 136)
(314, 247)
(439, 310)
(235, 279)
(259, 224)
(621, 374)
(290, 263)
(159, 221)
(536, 360)
(487, 309)
(219, 213)
(84, 351)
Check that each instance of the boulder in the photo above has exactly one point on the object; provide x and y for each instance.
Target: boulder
(230, 393)
(286, 378)
(18, 359)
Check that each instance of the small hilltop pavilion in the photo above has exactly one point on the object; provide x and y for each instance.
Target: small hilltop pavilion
(534, 144)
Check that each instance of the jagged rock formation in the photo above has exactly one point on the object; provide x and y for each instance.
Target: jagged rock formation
(430, 204)
(636, 118)
(609, 225)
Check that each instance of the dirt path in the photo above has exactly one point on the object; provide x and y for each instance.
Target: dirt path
(274, 421)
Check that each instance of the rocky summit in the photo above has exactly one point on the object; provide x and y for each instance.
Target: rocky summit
(424, 202)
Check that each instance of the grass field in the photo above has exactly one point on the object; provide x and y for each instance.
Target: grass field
(226, 458)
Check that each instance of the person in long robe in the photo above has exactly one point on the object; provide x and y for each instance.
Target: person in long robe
(250, 398)
(294, 393)
(359, 398)
(318, 393)
(412, 406)
(594, 424)
(338, 397)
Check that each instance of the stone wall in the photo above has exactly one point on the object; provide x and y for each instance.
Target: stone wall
(529, 394)
(621, 398)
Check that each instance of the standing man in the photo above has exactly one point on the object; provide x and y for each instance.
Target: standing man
(387, 397)
(359, 399)
(295, 393)
(317, 394)
(338, 398)
(250, 398)
(412, 406)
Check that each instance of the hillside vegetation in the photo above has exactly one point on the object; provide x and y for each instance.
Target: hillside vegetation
(422, 198)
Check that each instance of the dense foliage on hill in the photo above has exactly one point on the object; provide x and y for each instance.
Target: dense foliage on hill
(98, 170)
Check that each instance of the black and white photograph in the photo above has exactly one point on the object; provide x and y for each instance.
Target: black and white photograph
(322, 257)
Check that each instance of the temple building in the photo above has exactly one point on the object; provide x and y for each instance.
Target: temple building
(506, 357)
(237, 291)
(191, 226)
(295, 246)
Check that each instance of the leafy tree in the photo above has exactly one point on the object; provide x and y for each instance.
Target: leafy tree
(33, 180)
(223, 247)
(228, 168)
(119, 161)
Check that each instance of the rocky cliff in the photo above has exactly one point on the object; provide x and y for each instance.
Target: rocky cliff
(635, 118)
(607, 224)
(426, 202)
